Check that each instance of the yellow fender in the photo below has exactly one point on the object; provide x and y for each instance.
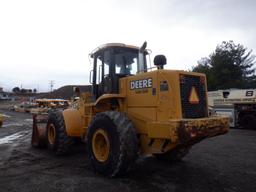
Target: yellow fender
(109, 96)
(105, 98)
(73, 122)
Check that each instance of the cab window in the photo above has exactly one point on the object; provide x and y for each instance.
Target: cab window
(126, 61)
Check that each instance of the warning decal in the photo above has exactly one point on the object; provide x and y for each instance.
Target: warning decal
(193, 96)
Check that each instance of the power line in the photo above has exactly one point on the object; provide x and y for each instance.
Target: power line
(51, 83)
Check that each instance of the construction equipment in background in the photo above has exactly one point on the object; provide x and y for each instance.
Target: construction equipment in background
(41, 105)
(24, 107)
(44, 105)
(133, 108)
(238, 104)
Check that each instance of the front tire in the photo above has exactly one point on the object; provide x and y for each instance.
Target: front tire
(57, 139)
(112, 143)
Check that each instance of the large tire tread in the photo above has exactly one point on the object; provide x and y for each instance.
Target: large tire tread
(128, 143)
(62, 142)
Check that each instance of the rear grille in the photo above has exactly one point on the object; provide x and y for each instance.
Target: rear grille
(193, 106)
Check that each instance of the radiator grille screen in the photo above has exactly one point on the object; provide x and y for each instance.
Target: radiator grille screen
(193, 96)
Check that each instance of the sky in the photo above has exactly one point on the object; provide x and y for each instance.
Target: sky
(49, 40)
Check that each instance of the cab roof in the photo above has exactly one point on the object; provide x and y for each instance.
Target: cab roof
(108, 45)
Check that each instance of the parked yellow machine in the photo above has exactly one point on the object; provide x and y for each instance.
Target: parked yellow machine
(132, 109)
(45, 105)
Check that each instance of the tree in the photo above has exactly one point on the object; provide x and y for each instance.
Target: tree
(23, 90)
(16, 90)
(229, 66)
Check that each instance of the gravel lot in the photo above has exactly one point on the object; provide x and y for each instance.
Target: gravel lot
(225, 163)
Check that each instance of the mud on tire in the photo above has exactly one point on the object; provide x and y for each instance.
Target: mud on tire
(123, 143)
(62, 142)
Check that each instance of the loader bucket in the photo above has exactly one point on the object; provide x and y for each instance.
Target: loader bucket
(39, 137)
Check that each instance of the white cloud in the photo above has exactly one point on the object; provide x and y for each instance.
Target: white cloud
(51, 40)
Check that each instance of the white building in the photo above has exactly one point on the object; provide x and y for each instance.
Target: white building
(4, 95)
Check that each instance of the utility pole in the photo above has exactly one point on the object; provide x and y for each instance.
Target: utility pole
(51, 82)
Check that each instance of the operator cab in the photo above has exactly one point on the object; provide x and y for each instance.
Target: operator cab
(112, 62)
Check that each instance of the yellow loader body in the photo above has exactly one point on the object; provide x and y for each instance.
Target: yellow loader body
(155, 111)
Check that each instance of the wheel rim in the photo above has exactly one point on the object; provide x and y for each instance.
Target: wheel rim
(100, 145)
(51, 134)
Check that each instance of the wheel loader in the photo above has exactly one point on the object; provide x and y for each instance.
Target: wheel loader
(132, 109)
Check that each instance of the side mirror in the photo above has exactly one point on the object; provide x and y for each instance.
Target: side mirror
(160, 61)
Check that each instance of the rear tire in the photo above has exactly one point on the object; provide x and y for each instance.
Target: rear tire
(175, 155)
(248, 122)
(112, 143)
(57, 139)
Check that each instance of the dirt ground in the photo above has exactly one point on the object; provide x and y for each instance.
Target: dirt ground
(225, 163)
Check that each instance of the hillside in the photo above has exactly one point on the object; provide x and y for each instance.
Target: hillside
(65, 92)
